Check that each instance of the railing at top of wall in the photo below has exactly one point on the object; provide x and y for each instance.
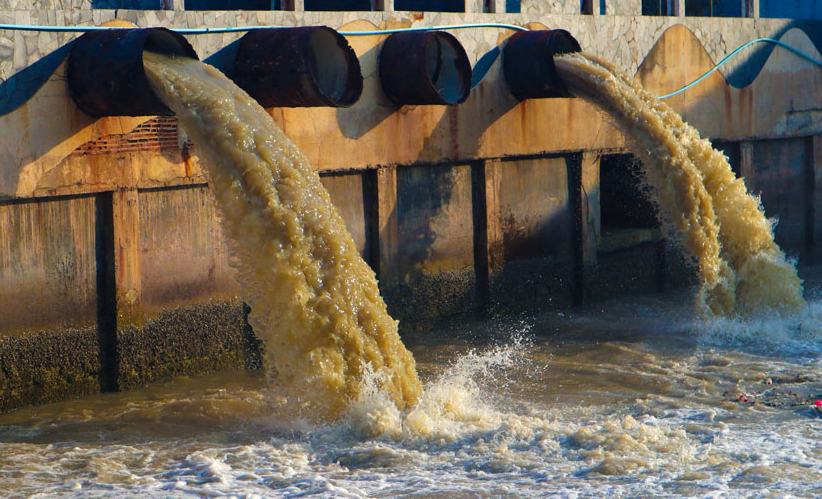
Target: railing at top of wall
(480, 69)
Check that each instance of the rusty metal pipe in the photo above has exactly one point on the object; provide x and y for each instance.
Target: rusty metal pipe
(528, 63)
(424, 68)
(105, 70)
(298, 67)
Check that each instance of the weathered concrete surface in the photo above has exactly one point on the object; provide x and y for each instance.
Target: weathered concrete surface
(535, 209)
(183, 254)
(349, 193)
(48, 269)
(537, 235)
(57, 364)
(781, 102)
(779, 175)
(195, 339)
(491, 124)
(493, 204)
(434, 257)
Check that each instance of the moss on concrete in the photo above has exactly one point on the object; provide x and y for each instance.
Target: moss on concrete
(190, 340)
(426, 297)
(48, 366)
(45, 366)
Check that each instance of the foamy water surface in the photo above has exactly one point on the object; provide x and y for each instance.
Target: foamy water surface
(631, 398)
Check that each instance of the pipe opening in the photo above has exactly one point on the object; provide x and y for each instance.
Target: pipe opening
(327, 62)
(441, 65)
(528, 63)
(298, 67)
(424, 68)
(105, 70)
(165, 42)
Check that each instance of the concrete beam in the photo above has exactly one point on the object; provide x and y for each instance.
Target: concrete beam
(750, 8)
(387, 225)
(473, 6)
(584, 179)
(488, 233)
(125, 207)
(746, 162)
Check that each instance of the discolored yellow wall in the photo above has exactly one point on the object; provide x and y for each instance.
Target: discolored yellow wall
(108, 230)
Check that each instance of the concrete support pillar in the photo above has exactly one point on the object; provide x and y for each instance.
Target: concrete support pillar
(125, 209)
(494, 250)
(746, 169)
(750, 8)
(488, 243)
(679, 7)
(388, 5)
(178, 5)
(473, 6)
(584, 176)
(386, 228)
(299, 5)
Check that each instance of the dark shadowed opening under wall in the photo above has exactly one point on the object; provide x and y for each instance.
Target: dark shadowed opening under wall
(625, 198)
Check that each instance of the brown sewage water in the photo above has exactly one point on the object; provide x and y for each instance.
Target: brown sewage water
(314, 301)
(741, 269)
(635, 398)
(639, 397)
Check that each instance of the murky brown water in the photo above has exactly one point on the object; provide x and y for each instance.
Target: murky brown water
(632, 398)
(741, 269)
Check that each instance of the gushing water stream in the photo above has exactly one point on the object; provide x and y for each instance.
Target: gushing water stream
(314, 301)
(632, 398)
(741, 269)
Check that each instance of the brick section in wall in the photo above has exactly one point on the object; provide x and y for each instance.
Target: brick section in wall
(154, 135)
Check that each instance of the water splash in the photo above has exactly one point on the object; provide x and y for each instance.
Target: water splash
(452, 404)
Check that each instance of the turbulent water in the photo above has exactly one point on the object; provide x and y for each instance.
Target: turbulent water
(314, 301)
(741, 269)
(637, 398)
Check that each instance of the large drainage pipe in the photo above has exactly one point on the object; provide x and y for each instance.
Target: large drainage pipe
(528, 63)
(105, 70)
(428, 67)
(298, 67)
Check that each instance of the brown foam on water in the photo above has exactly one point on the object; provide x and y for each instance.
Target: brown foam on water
(741, 268)
(313, 300)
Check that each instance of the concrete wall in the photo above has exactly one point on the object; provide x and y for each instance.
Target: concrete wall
(111, 252)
